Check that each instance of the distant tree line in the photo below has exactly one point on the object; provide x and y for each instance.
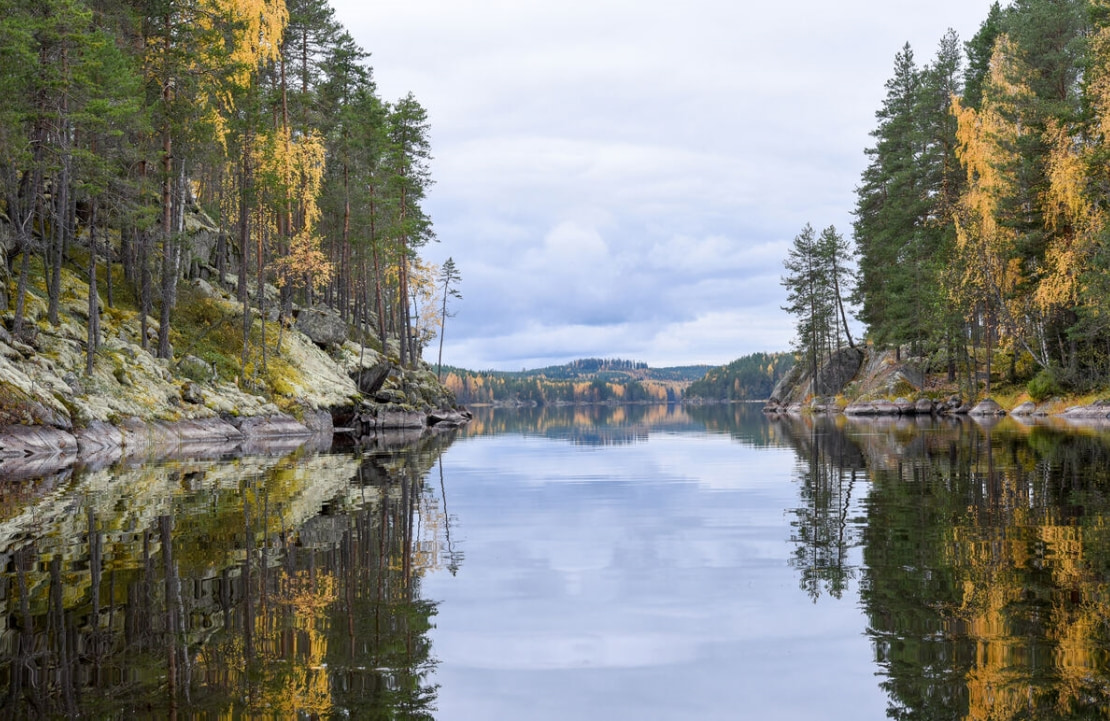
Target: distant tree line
(586, 380)
(120, 119)
(497, 387)
(982, 217)
(751, 377)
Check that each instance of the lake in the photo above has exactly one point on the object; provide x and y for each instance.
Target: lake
(639, 562)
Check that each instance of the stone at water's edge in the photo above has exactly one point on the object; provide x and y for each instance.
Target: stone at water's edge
(799, 384)
(1096, 411)
(280, 426)
(449, 419)
(26, 441)
(987, 407)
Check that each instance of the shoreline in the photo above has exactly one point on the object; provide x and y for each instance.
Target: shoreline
(28, 451)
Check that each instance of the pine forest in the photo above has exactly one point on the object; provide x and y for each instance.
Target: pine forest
(125, 122)
(982, 219)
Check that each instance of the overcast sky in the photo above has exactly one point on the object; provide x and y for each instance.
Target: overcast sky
(623, 179)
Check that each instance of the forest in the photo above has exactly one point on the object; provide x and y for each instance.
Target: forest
(585, 380)
(982, 222)
(749, 378)
(123, 123)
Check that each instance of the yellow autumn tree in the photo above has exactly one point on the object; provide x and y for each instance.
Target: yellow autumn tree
(988, 269)
(299, 164)
(1075, 221)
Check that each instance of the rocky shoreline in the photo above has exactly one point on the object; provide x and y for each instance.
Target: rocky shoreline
(321, 386)
(27, 450)
(858, 384)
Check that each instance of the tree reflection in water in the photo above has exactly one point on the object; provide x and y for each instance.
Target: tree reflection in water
(257, 588)
(985, 567)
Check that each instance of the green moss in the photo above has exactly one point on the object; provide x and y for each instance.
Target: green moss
(15, 405)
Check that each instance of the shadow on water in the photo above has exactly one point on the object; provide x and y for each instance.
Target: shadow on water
(982, 558)
(265, 588)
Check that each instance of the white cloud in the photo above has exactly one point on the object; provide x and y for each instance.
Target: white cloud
(614, 174)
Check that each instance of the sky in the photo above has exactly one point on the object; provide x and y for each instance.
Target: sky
(623, 179)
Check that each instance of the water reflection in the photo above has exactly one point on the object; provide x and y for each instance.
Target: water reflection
(293, 587)
(260, 588)
(604, 425)
(985, 567)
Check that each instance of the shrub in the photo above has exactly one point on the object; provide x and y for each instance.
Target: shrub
(1043, 386)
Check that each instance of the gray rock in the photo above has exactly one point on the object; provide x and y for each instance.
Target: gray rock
(74, 383)
(370, 380)
(98, 437)
(388, 395)
(276, 426)
(323, 326)
(206, 289)
(25, 441)
(885, 408)
(1097, 410)
(905, 406)
(386, 420)
(449, 418)
(319, 422)
(987, 407)
(1027, 408)
(923, 407)
(195, 368)
(840, 369)
(191, 393)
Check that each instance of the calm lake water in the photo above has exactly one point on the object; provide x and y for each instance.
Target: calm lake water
(590, 563)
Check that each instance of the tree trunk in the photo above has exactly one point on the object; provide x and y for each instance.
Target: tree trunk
(94, 305)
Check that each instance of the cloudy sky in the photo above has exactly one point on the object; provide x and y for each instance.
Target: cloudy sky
(623, 179)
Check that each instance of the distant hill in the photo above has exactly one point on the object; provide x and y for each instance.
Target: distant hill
(587, 380)
(749, 378)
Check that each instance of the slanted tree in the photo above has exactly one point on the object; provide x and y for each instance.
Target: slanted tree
(449, 278)
(807, 283)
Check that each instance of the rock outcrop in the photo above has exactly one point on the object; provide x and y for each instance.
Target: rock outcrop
(323, 326)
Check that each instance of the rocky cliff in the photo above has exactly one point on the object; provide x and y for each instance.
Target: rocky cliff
(314, 372)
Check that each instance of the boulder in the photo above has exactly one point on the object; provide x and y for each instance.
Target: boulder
(840, 369)
(886, 408)
(390, 395)
(196, 368)
(1096, 411)
(923, 407)
(370, 380)
(449, 418)
(1027, 408)
(323, 326)
(392, 420)
(987, 407)
(905, 406)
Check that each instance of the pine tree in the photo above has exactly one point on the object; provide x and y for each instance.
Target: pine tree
(449, 277)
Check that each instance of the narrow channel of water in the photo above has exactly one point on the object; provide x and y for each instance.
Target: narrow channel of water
(587, 563)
